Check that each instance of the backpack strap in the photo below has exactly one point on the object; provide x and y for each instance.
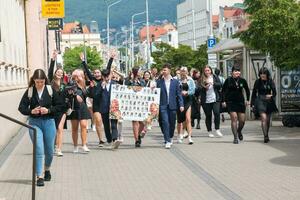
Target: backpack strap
(50, 90)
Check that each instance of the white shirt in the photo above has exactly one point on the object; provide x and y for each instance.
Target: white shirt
(40, 92)
(107, 85)
(168, 83)
(210, 93)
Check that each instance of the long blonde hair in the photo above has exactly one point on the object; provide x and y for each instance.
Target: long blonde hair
(78, 76)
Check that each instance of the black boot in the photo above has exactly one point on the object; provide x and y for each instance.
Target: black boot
(266, 139)
(240, 136)
(235, 139)
(193, 123)
(198, 124)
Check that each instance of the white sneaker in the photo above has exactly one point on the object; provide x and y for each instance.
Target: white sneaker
(210, 134)
(219, 134)
(76, 149)
(185, 134)
(59, 153)
(190, 140)
(168, 145)
(85, 149)
(180, 138)
(94, 128)
(149, 127)
(171, 141)
(116, 144)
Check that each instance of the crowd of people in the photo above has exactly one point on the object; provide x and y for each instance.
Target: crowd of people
(51, 100)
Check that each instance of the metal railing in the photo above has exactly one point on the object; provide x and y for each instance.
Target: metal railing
(34, 150)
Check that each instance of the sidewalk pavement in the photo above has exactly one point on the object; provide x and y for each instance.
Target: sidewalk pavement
(211, 168)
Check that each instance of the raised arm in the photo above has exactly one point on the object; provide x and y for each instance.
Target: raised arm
(51, 68)
(85, 67)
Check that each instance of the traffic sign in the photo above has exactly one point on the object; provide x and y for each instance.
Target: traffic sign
(53, 8)
(55, 24)
(211, 42)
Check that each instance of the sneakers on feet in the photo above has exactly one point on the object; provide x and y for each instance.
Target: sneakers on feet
(168, 145)
(210, 134)
(185, 134)
(85, 149)
(180, 138)
(137, 144)
(190, 140)
(94, 128)
(219, 134)
(101, 144)
(40, 182)
(116, 144)
(47, 176)
(76, 149)
(59, 153)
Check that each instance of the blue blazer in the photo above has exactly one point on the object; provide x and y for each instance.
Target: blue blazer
(175, 97)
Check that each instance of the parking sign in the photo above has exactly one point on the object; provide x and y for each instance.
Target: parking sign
(211, 42)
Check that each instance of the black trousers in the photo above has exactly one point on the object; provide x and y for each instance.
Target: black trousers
(110, 127)
(210, 108)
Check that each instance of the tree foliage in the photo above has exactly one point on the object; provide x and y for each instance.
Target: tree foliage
(274, 29)
(182, 56)
(72, 60)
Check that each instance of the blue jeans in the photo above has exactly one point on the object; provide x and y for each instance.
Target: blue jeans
(167, 123)
(46, 132)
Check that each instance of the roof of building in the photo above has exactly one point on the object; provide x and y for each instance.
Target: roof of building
(155, 31)
(230, 12)
(70, 27)
(215, 20)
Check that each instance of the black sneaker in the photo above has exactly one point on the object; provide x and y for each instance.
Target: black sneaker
(47, 176)
(101, 144)
(140, 139)
(40, 182)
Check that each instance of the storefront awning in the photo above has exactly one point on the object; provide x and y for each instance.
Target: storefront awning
(227, 44)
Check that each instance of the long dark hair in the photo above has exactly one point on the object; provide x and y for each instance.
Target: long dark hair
(38, 74)
(203, 76)
(57, 82)
(265, 71)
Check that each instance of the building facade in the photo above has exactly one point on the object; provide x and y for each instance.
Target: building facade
(24, 46)
(185, 22)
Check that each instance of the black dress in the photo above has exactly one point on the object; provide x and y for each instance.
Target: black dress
(196, 105)
(233, 94)
(187, 101)
(80, 111)
(259, 101)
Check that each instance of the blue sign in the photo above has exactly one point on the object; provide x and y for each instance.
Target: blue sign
(211, 42)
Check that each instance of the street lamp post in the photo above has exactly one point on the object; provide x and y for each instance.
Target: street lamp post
(194, 28)
(148, 37)
(132, 36)
(108, 7)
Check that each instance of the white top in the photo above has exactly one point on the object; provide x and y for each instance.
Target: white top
(168, 83)
(210, 93)
(40, 92)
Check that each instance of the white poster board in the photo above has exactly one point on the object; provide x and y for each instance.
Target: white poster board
(134, 103)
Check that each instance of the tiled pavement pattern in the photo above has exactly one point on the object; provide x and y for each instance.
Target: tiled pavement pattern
(212, 168)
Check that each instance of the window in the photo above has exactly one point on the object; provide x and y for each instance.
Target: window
(170, 37)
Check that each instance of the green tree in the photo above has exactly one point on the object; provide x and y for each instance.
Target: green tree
(274, 29)
(182, 56)
(72, 60)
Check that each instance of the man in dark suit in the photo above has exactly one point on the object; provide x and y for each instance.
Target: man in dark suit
(170, 101)
(103, 92)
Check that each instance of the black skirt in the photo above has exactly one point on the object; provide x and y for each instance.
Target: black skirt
(237, 107)
(263, 105)
(187, 104)
(80, 113)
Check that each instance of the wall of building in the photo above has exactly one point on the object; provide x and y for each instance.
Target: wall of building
(23, 48)
(185, 22)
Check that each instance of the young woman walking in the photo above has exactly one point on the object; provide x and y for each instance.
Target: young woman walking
(263, 100)
(235, 103)
(40, 102)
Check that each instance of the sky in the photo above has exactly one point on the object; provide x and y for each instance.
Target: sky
(217, 3)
